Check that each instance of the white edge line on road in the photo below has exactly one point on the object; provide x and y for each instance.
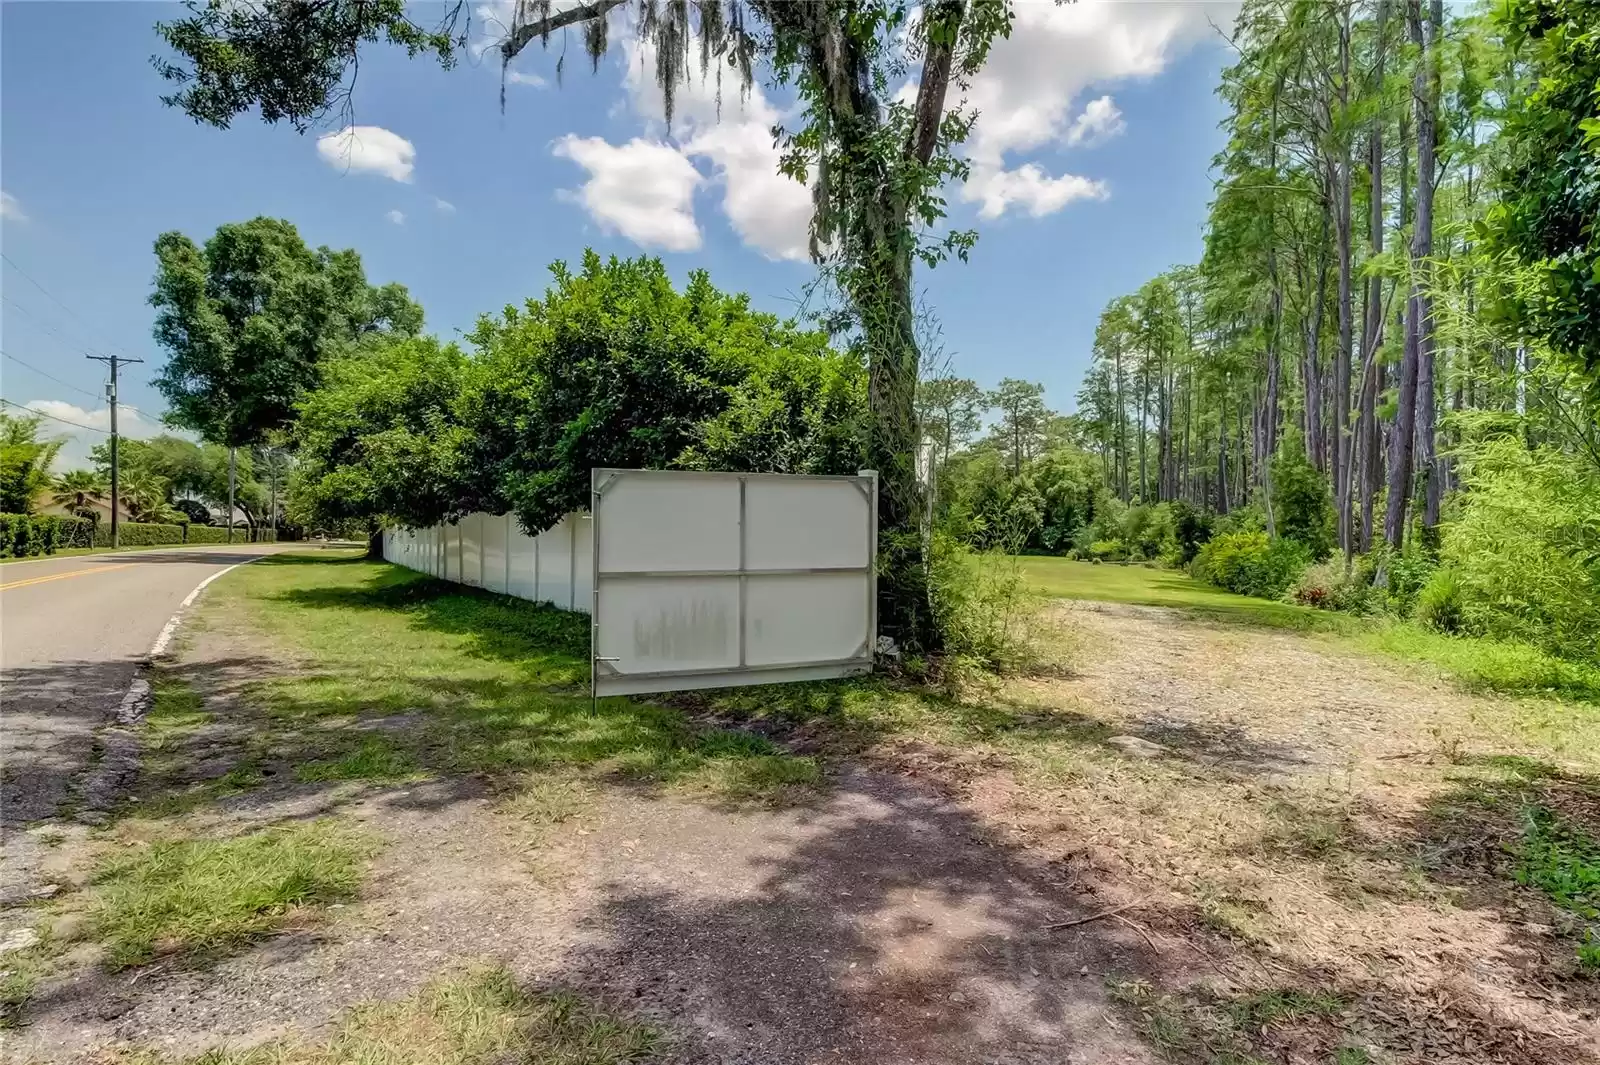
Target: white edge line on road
(168, 630)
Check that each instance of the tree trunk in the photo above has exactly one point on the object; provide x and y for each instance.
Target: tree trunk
(1343, 440)
(1402, 429)
(233, 465)
(1372, 315)
(881, 293)
(1122, 424)
(1426, 91)
(1313, 340)
(1144, 426)
(1222, 454)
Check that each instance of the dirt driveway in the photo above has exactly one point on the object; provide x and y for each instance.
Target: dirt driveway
(1207, 842)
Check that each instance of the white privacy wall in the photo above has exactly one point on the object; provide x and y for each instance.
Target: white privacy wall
(709, 580)
(693, 580)
(491, 551)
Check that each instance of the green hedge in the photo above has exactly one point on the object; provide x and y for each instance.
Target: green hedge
(22, 535)
(1251, 564)
(146, 534)
(138, 534)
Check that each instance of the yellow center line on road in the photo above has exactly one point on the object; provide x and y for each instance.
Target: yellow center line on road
(64, 576)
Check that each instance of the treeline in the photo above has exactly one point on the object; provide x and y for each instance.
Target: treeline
(1397, 310)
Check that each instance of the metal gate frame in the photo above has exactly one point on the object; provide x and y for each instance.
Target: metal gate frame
(606, 680)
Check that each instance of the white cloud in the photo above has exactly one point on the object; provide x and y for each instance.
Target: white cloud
(1025, 92)
(444, 206)
(517, 77)
(1029, 188)
(1100, 121)
(75, 453)
(11, 208)
(643, 189)
(372, 149)
(398, 217)
(770, 212)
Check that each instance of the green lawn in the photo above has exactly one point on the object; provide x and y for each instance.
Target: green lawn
(1142, 585)
(494, 685)
(1478, 664)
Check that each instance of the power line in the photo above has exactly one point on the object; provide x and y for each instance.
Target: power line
(59, 381)
(70, 338)
(52, 377)
(70, 312)
(52, 417)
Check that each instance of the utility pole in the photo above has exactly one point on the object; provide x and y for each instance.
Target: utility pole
(272, 510)
(113, 361)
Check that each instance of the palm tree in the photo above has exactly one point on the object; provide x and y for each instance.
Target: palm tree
(76, 489)
(145, 495)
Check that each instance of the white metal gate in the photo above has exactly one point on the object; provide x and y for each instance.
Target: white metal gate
(710, 580)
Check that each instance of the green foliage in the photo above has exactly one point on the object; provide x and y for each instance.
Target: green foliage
(1248, 563)
(1302, 503)
(950, 412)
(248, 319)
(614, 367)
(1329, 585)
(383, 439)
(1439, 603)
(77, 489)
(982, 604)
(1022, 420)
(25, 462)
(1526, 547)
(291, 68)
(802, 408)
(1550, 180)
(155, 534)
(1561, 860)
(23, 535)
(1191, 528)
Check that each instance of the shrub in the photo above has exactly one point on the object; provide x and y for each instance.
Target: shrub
(1439, 604)
(1108, 551)
(1526, 547)
(1250, 564)
(1302, 505)
(1330, 586)
(981, 605)
(22, 535)
(1148, 532)
(1191, 528)
(138, 534)
(211, 534)
(1248, 518)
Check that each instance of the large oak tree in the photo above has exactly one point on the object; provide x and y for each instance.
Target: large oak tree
(876, 158)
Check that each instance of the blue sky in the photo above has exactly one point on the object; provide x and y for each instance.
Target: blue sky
(1090, 175)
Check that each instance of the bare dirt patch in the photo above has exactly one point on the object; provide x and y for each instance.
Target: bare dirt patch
(1317, 819)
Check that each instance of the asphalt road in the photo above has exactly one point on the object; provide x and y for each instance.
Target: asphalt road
(72, 634)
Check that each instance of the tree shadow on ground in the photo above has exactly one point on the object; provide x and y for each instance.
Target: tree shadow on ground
(1473, 838)
(1227, 746)
(888, 924)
